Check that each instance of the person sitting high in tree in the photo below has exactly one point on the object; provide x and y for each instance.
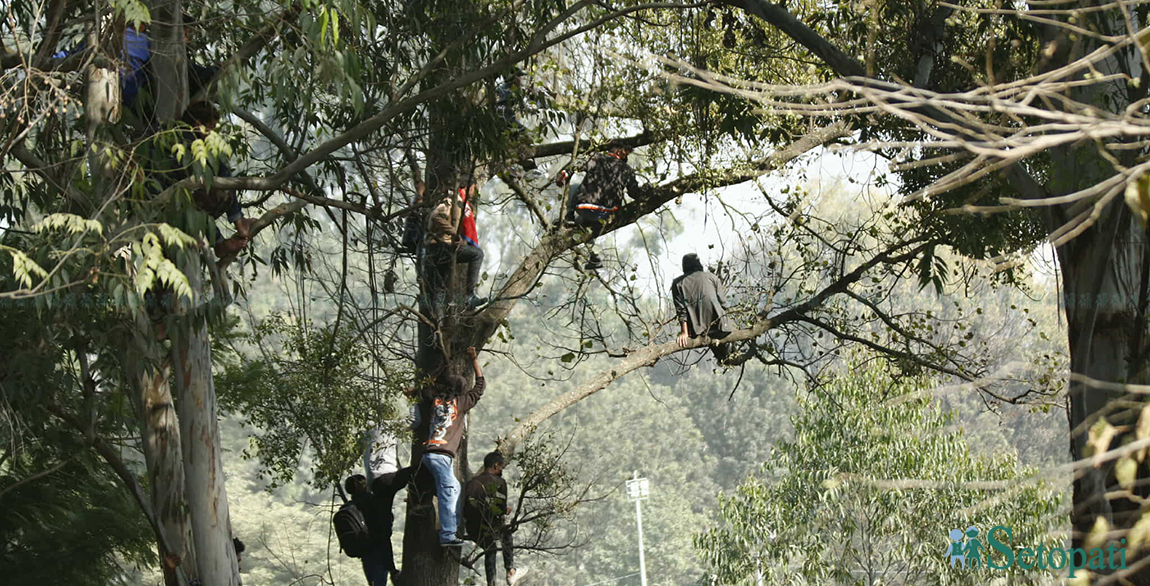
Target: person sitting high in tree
(444, 404)
(701, 306)
(203, 118)
(451, 237)
(484, 509)
(593, 203)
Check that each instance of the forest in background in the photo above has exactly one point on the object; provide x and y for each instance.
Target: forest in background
(695, 429)
(337, 113)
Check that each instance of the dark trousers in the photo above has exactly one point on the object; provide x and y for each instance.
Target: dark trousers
(376, 566)
(438, 263)
(487, 542)
(720, 351)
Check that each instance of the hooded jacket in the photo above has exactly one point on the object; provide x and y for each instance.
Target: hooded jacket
(700, 300)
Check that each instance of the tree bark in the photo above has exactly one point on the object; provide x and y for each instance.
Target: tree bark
(160, 432)
(200, 434)
(169, 61)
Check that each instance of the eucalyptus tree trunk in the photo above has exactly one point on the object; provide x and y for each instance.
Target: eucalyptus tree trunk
(452, 163)
(163, 456)
(207, 500)
(200, 434)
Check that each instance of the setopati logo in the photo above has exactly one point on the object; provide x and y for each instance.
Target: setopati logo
(967, 549)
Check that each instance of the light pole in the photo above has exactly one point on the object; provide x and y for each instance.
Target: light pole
(638, 489)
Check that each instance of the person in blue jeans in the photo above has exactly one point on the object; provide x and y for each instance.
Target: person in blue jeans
(445, 401)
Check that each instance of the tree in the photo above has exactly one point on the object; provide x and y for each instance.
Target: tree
(867, 490)
(1016, 171)
(371, 85)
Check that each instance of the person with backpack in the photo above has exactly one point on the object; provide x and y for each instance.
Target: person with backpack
(451, 237)
(364, 525)
(483, 511)
(593, 204)
(701, 306)
(444, 403)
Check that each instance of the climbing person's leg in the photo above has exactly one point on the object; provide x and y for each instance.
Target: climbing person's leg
(473, 257)
(447, 491)
(490, 565)
(594, 222)
(572, 201)
(375, 566)
(435, 270)
(508, 545)
(721, 352)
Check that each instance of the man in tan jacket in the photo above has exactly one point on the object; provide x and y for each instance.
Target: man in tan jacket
(450, 237)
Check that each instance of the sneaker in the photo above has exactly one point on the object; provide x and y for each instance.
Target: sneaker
(453, 543)
(515, 574)
(475, 302)
(594, 263)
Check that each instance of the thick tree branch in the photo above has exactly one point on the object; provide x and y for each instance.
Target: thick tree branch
(841, 63)
(285, 149)
(553, 149)
(846, 67)
(649, 355)
(250, 48)
(525, 276)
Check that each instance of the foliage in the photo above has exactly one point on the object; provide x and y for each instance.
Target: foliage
(868, 489)
(79, 511)
(307, 390)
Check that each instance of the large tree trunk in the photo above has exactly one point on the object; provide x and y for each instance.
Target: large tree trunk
(1104, 285)
(160, 432)
(200, 434)
(169, 60)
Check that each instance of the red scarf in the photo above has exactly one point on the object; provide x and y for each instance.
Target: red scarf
(467, 229)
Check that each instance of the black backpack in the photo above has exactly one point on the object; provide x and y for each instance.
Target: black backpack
(351, 529)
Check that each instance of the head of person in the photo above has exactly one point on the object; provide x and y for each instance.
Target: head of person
(201, 113)
(239, 547)
(691, 263)
(355, 484)
(493, 462)
(622, 152)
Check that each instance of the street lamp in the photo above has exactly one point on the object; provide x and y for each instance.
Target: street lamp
(638, 489)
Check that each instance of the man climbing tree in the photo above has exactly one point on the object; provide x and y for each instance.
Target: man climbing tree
(605, 179)
(445, 403)
(452, 238)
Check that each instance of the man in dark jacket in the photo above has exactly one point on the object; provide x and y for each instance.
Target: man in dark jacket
(593, 203)
(701, 306)
(445, 402)
(484, 509)
(375, 505)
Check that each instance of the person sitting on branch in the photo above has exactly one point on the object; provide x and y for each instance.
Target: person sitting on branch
(593, 203)
(701, 306)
